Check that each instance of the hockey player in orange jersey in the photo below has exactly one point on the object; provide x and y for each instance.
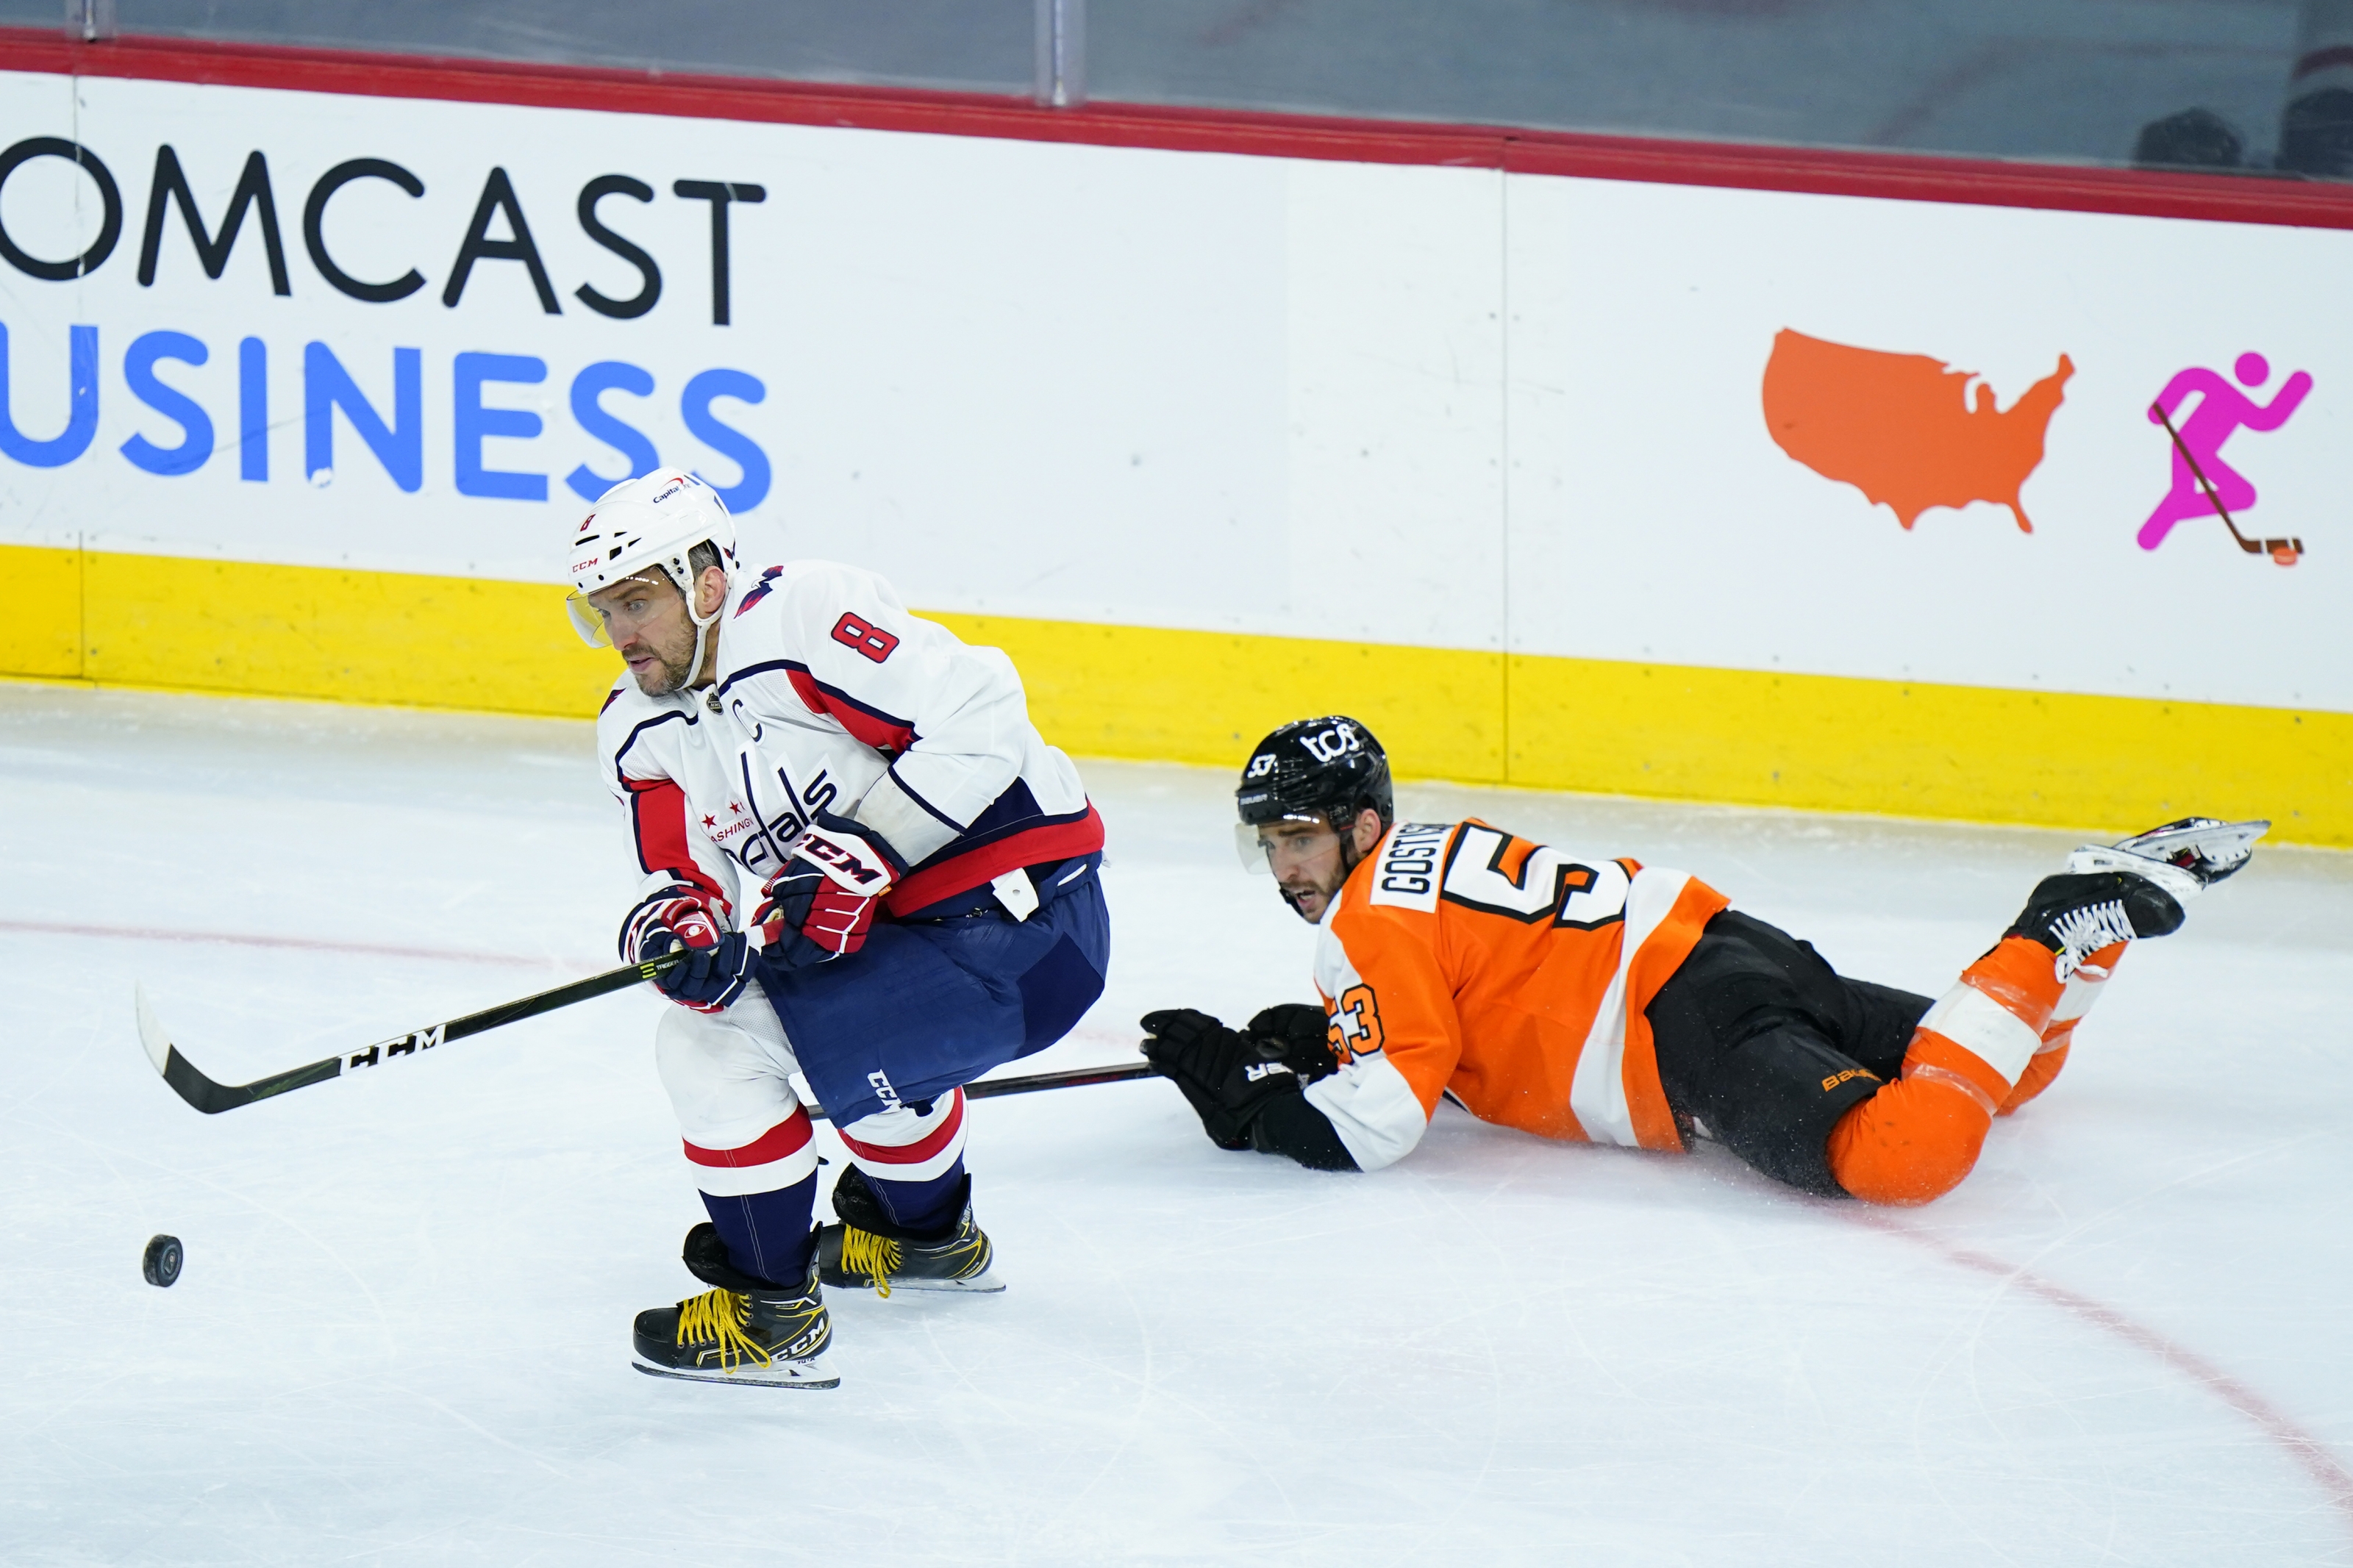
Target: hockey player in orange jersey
(1601, 999)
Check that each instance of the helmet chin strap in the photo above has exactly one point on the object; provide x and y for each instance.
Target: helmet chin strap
(680, 572)
(702, 637)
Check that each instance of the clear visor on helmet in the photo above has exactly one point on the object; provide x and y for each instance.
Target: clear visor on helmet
(587, 621)
(1273, 847)
(615, 613)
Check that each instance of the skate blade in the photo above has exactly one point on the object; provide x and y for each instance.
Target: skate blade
(2219, 848)
(980, 1285)
(2220, 841)
(776, 1374)
(2182, 884)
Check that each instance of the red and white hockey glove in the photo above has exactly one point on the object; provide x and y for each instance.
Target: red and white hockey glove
(719, 961)
(821, 905)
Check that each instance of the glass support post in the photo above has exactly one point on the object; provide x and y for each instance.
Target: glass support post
(1061, 32)
(87, 21)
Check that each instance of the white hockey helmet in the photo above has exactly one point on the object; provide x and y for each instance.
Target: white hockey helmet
(653, 520)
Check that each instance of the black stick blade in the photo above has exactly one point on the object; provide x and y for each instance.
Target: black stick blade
(213, 1098)
(202, 1093)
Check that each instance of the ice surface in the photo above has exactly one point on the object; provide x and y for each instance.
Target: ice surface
(402, 1334)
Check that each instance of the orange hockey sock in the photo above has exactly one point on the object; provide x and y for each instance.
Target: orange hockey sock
(1912, 1142)
(2037, 1077)
(2082, 990)
(2020, 974)
(1914, 1139)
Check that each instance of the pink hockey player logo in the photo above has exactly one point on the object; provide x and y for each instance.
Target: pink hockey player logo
(2203, 484)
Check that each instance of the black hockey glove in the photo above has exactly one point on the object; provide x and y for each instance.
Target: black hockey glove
(1301, 1036)
(1229, 1077)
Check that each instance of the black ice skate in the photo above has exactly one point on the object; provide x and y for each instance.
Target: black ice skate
(2076, 914)
(743, 1330)
(869, 1250)
(2205, 847)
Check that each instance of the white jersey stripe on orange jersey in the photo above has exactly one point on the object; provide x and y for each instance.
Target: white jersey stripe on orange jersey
(1596, 1096)
(1373, 1108)
(1368, 1102)
(1336, 976)
(1985, 1028)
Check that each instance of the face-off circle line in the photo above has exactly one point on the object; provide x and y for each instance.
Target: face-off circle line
(2310, 1454)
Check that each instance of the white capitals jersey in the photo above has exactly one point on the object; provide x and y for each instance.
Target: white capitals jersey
(832, 696)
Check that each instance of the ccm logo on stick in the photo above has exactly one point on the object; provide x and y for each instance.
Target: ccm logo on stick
(398, 1046)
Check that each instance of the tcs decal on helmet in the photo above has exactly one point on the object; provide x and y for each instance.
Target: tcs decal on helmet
(1311, 770)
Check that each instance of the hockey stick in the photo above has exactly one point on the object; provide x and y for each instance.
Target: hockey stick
(2287, 552)
(212, 1097)
(1070, 1078)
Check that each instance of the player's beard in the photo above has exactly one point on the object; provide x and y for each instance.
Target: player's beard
(1291, 892)
(1293, 888)
(673, 665)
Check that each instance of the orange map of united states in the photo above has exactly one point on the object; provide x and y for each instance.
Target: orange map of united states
(1901, 428)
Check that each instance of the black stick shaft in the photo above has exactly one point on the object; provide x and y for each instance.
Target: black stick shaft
(587, 990)
(989, 1088)
(1071, 1078)
(212, 1097)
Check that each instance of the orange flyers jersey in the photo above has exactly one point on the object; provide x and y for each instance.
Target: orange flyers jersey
(1459, 958)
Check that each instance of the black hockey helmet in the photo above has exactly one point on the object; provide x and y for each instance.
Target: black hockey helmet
(1330, 767)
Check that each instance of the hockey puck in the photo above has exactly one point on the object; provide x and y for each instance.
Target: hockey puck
(162, 1264)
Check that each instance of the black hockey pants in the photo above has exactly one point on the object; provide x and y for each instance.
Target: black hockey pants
(1764, 1045)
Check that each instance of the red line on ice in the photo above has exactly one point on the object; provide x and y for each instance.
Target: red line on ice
(305, 944)
(2309, 1452)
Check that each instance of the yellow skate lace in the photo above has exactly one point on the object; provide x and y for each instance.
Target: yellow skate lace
(876, 1256)
(718, 1317)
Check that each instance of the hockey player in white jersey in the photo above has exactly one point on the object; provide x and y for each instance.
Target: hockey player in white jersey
(884, 880)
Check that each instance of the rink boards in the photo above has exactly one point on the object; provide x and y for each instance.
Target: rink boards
(1204, 438)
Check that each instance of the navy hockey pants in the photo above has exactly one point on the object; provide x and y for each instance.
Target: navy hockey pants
(927, 1004)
